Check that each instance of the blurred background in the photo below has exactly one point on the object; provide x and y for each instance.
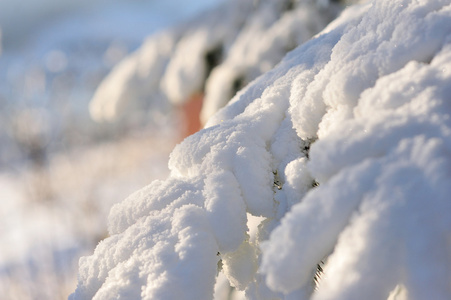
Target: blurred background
(60, 172)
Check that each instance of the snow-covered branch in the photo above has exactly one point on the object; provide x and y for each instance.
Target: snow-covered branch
(362, 110)
(215, 54)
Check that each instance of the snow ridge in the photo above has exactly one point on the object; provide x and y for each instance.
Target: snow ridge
(363, 111)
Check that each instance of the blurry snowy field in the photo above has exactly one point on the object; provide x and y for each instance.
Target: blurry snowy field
(60, 172)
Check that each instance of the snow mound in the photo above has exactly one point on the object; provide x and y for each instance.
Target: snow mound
(344, 149)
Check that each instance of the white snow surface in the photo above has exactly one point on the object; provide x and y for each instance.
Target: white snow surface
(363, 109)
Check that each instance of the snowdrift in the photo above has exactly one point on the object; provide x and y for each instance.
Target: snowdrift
(344, 150)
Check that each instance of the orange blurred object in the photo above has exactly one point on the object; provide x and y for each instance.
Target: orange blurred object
(191, 114)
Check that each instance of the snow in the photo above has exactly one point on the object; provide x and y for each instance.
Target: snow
(271, 31)
(60, 172)
(189, 65)
(140, 69)
(169, 66)
(50, 217)
(343, 149)
(215, 54)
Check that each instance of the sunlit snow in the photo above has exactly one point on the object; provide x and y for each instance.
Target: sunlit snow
(343, 149)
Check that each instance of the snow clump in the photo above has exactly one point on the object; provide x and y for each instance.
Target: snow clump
(344, 150)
